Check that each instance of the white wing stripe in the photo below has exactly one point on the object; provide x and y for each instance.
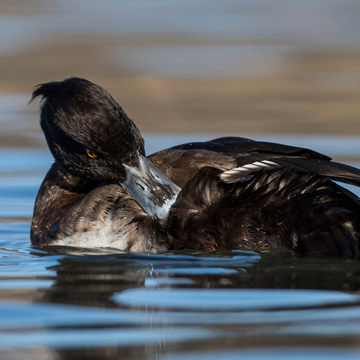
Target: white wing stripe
(251, 166)
(258, 163)
(228, 176)
(270, 163)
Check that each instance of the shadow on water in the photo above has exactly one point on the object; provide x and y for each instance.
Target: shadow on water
(105, 275)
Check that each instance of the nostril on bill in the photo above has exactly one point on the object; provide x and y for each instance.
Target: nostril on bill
(140, 186)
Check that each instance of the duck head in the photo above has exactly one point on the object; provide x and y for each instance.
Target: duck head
(91, 136)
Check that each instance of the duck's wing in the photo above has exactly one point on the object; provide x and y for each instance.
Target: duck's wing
(241, 156)
(244, 147)
(331, 169)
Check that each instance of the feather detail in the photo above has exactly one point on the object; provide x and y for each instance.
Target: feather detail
(238, 174)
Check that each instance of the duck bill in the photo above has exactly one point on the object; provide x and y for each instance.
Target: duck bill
(150, 188)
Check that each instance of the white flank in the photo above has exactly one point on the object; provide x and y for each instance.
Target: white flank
(102, 234)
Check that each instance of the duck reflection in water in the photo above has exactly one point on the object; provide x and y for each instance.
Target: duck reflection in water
(227, 193)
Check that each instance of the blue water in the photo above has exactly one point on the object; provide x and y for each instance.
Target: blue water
(69, 304)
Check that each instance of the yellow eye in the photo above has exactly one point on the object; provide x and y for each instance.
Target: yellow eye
(91, 154)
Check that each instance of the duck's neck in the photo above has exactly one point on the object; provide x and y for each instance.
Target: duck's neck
(150, 188)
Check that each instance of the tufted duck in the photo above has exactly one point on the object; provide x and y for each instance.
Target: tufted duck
(227, 193)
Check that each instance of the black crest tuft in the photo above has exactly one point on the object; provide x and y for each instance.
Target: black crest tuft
(62, 88)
